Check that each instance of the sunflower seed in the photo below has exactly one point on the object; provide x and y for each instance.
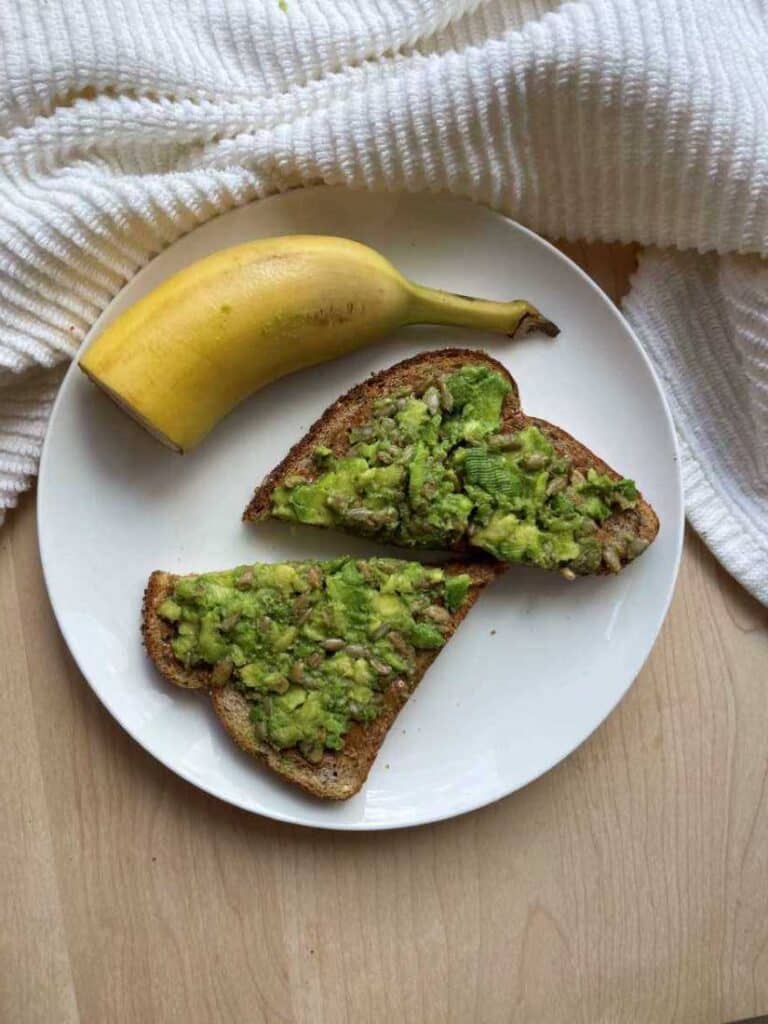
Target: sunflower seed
(338, 502)
(400, 644)
(230, 621)
(445, 395)
(380, 668)
(504, 442)
(620, 543)
(312, 753)
(245, 580)
(315, 660)
(431, 399)
(381, 630)
(568, 574)
(356, 651)
(222, 672)
(535, 461)
(371, 517)
(301, 608)
(611, 558)
(359, 515)
(333, 643)
(437, 614)
(556, 484)
(296, 672)
(637, 546)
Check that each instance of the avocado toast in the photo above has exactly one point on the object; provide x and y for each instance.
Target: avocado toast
(436, 452)
(308, 663)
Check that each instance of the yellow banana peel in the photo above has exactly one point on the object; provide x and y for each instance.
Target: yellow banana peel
(190, 351)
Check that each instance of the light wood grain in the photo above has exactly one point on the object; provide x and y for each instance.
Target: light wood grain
(630, 884)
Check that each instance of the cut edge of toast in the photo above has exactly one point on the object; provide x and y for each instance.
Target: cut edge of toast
(355, 407)
(340, 774)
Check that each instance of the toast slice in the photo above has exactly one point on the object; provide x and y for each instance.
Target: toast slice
(394, 660)
(323, 482)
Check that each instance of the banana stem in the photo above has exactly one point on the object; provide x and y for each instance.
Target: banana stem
(431, 306)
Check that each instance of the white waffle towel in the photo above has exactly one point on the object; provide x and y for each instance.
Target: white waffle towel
(125, 123)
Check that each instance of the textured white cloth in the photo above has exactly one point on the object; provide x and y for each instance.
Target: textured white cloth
(125, 123)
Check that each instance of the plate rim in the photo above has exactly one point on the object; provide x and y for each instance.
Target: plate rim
(470, 805)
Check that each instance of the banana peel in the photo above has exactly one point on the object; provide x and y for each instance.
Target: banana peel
(186, 354)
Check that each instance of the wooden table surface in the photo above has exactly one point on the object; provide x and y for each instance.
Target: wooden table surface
(629, 884)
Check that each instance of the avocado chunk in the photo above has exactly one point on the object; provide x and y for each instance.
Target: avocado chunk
(313, 646)
(433, 469)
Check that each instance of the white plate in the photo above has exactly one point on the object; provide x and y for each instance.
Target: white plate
(538, 664)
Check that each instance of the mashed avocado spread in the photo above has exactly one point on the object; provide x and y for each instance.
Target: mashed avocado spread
(431, 468)
(313, 646)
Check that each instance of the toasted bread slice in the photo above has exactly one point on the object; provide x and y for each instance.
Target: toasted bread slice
(339, 774)
(354, 410)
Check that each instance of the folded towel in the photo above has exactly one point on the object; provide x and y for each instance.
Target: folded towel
(125, 123)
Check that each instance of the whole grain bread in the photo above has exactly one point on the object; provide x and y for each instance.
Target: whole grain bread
(355, 408)
(340, 774)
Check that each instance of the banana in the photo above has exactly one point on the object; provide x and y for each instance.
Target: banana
(226, 326)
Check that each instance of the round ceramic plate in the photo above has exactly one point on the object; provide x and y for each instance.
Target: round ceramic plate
(538, 663)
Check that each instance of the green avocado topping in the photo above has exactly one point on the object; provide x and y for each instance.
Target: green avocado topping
(432, 468)
(313, 646)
